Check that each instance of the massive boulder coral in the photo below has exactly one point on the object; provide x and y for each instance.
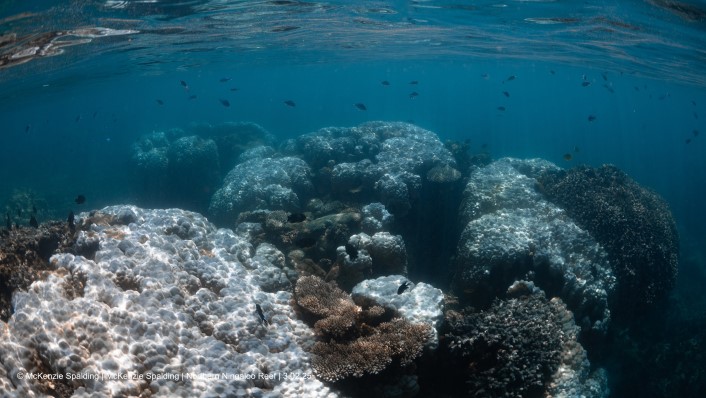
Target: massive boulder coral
(262, 183)
(633, 224)
(510, 232)
(521, 348)
(167, 299)
(382, 160)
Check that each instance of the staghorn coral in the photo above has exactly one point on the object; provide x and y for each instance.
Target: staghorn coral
(355, 341)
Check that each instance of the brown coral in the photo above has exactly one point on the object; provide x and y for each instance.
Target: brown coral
(355, 341)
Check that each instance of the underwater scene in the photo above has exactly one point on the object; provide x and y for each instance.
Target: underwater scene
(422, 198)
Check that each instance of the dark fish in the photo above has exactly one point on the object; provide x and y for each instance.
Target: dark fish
(305, 242)
(261, 315)
(351, 251)
(636, 88)
(192, 97)
(413, 95)
(78, 118)
(695, 133)
(80, 199)
(505, 93)
(19, 212)
(160, 102)
(552, 71)
(385, 83)
(696, 116)
(605, 76)
(403, 287)
(609, 88)
(664, 96)
(576, 149)
(234, 89)
(70, 220)
(225, 102)
(688, 140)
(501, 108)
(296, 217)
(27, 128)
(224, 79)
(591, 118)
(34, 210)
(568, 157)
(284, 28)
(585, 83)
(8, 222)
(510, 78)
(361, 106)
(485, 76)
(183, 83)
(290, 103)
(95, 114)
(693, 103)
(414, 82)
(33, 222)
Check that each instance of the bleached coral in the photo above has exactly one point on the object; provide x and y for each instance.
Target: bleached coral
(168, 301)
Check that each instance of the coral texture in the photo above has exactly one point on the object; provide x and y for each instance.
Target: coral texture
(633, 224)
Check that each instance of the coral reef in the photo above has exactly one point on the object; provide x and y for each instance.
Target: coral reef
(165, 296)
(633, 224)
(355, 341)
(512, 233)
(521, 347)
(262, 184)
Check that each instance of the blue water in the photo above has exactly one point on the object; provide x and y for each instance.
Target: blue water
(67, 122)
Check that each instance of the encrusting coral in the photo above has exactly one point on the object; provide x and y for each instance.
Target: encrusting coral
(355, 341)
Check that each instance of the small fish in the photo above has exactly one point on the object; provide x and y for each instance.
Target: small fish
(361, 106)
(403, 287)
(34, 210)
(224, 79)
(225, 102)
(78, 118)
(413, 95)
(501, 108)
(290, 103)
(234, 89)
(585, 83)
(8, 222)
(568, 157)
(636, 88)
(160, 102)
(33, 222)
(609, 88)
(192, 97)
(80, 199)
(664, 96)
(605, 76)
(693, 103)
(296, 217)
(576, 149)
(552, 71)
(385, 83)
(510, 78)
(261, 315)
(696, 116)
(591, 118)
(183, 83)
(414, 82)
(95, 114)
(351, 251)
(688, 140)
(19, 212)
(70, 220)
(28, 128)
(695, 133)
(505, 93)
(485, 76)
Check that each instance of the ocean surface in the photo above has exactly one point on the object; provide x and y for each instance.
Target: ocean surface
(573, 82)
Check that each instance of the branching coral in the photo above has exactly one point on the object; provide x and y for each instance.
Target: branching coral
(355, 341)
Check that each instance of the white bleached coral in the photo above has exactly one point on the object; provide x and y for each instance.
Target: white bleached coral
(167, 301)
